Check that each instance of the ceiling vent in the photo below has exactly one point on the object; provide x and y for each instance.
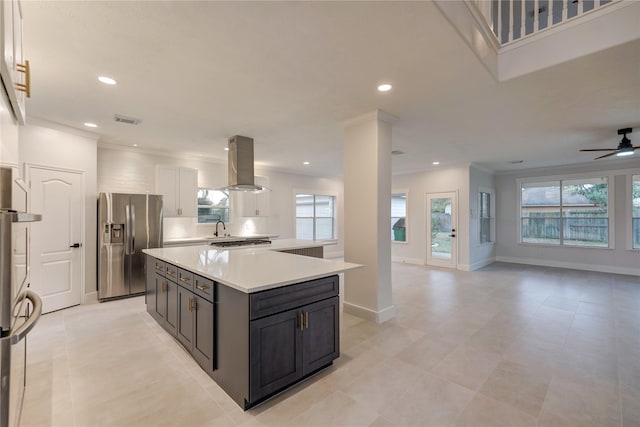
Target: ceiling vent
(396, 152)
(126, 120)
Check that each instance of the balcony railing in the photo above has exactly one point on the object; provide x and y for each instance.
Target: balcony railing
(513, 20)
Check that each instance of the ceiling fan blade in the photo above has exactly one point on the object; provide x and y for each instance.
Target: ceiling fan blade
(607, 155)
(599, 149)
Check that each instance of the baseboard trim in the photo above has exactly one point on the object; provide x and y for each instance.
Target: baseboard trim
(368, 314)
(90, 298)
(478, 265)
(571, 265)
(405, 260)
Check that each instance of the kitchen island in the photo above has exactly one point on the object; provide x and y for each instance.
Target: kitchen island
(257, 320)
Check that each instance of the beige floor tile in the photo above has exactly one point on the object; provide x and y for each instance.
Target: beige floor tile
(522, 386)
(390, 379)
(467, 366)
(483, 411)
(338, 409)
(426, 353)
(630, 403)
(432, 402)
(580, 403)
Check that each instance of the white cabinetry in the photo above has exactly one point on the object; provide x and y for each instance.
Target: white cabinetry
(13, 68)
(256, 204)
(179, 187)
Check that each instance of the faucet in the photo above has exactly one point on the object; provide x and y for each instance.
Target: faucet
(223, 227)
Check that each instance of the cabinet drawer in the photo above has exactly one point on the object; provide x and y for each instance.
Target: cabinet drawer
(204, 288)
(185, 279)
(158, 266)
(171, 272)
(280, 299)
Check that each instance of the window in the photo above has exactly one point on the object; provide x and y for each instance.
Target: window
(485, 216)
(635, 212)
(565, 212)
(399, 217)
(315, 216)
(213, 206)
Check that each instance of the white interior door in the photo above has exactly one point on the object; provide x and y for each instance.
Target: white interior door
(442, 222)
(56, 265)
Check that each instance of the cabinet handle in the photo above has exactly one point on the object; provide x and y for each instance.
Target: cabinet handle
(306, 319)
(300, 321)
(171, 273)
(159, 267)
(185, 279)
(202, 287)
(193, 304)
(26, 86)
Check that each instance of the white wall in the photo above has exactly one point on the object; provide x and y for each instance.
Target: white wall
(133, 171)
(70, 149)
(418, 185)
(616, 260)
(480, 255)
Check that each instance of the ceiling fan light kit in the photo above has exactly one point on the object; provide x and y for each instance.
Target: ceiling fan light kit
(625, 148)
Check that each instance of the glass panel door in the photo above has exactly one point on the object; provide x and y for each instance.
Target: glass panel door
(441, 226)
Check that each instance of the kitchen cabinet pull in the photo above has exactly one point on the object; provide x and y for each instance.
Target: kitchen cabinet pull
(171, 273)
(300, 321)
(202, 287)
(306, 320)
(26, 86)
(185, 279)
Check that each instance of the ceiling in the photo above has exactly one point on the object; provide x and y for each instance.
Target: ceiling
(289, 73)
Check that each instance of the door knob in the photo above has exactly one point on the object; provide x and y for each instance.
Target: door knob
(76, 245)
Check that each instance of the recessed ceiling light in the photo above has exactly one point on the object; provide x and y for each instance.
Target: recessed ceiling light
(91, 125)
(305, 163)
(436, 163)
(384, 88)
(107, 80)
(135, 145)
(226, 148)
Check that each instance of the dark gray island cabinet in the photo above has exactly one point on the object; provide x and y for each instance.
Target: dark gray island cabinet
(253, 345)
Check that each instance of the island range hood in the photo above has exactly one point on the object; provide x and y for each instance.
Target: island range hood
(241, 165)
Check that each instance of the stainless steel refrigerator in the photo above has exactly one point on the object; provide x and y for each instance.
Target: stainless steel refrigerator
(127, 224)
(20, 307)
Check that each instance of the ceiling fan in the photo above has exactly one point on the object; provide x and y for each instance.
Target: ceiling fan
(624, 147)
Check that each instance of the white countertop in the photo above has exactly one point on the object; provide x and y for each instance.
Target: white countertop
(253, 269)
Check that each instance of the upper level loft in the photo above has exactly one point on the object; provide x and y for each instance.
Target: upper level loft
(517, 37)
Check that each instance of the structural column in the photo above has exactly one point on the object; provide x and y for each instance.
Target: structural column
(367, 215)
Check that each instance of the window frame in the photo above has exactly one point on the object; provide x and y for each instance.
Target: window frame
(315, 193)
(228, 208)
(406, 216)
(609, 175)
(492, 216)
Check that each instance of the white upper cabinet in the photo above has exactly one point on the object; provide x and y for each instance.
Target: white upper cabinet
(256, 204)
(13, 67)
(179, 187)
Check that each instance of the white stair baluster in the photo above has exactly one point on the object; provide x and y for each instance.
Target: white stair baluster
(536, 18)
(499, 32)
(580, 7)
(549, 13)
(565, 10)
(523, 19)
(510, 20)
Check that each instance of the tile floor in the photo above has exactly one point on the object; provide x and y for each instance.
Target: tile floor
(509, 345)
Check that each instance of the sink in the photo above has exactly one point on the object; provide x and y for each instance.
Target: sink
(242, 242)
